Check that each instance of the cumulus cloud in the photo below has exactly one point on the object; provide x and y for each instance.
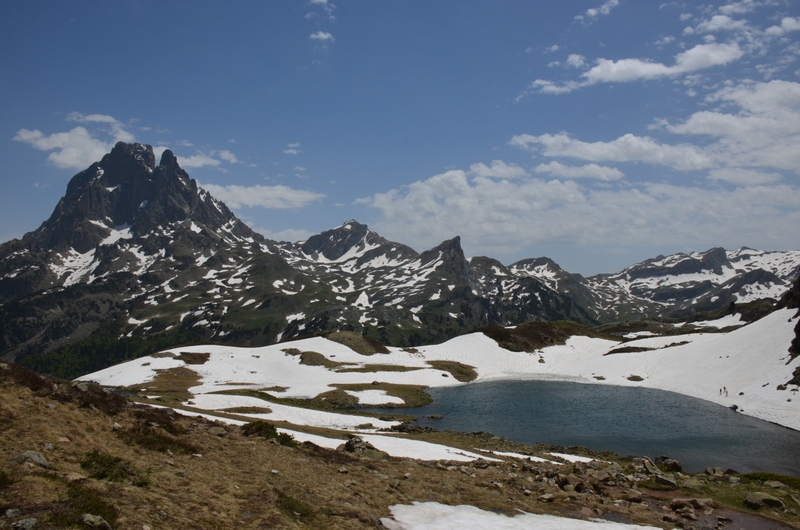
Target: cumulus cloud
(226, 156)
(590, 171)
(273, 197)
(744, 177)
(626, 148)
(292, 149)
(498, 169)
(739, 8)
(699, 57)
(604, 9)
(576, 61)
(755, 130)
(788, 24)
(322, 37)
(81, 146)
(763, 134)
(198, 159)
(290, 234)
(504, 218)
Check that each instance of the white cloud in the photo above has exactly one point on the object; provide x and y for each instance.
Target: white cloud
(290, 234)
(626, 148)
(576, 61)
(788, 24)
(292, 149)
(756, 127)
(744, 177)
(739, 8)
(604, 9)
(274, 197)
(226, 156)
(721, 23)
(322, 37)
(79, 147)
(590, 171)
(506, 217)
(763, 134)
(198, 159)
(699, 57)
(498, 169)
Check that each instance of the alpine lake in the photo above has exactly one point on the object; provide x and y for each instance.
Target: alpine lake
(626, 420)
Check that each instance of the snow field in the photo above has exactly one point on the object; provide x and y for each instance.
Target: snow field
(435, 516)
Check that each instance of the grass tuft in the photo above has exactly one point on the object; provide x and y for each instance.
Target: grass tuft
(5, 479)
(106, 467)
(81, 500)
(294, 507)
(461, 372)
(357, 343)
(268, 431)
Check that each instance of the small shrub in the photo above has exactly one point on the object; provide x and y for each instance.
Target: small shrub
(628, 349)
(5, 480)
(107, 467)
(635, 378)
(154, 439)
(268, 431)
(81, 500)
(294, 507)
(792, 482)
(461, 372)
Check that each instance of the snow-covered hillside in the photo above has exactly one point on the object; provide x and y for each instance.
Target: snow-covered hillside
(752, 363)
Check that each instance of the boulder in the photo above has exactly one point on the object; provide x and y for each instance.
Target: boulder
(666, 481)
(669, 464)
(757, 500)
(94, 521)
(776, 484)
(35, 457)
(634, 496)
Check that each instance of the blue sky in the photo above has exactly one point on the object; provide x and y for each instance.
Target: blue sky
(597, 133)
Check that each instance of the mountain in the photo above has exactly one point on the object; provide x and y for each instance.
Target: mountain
(137, 257)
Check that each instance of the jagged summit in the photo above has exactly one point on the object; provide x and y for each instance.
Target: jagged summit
(127, 195)
(351, 240)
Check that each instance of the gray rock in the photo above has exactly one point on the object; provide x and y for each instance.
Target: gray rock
(356, 443)
(666, 481)
(94, 521)
(37, 458)
(776, 484)
(669, 464)
(25, 524)
(758, 500)
(217, 431)
(13, 512)
(634, 496)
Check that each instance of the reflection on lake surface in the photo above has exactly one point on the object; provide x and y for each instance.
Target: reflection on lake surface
(628, 421)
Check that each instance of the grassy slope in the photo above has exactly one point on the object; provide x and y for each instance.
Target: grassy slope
(147, 471)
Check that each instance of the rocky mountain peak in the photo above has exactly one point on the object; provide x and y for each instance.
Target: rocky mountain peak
(336, 243)
(453, 260)
(126, 190)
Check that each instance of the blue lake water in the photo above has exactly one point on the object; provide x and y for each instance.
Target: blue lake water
(625, 420)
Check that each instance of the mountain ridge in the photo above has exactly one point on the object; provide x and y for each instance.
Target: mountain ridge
(137, 251)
